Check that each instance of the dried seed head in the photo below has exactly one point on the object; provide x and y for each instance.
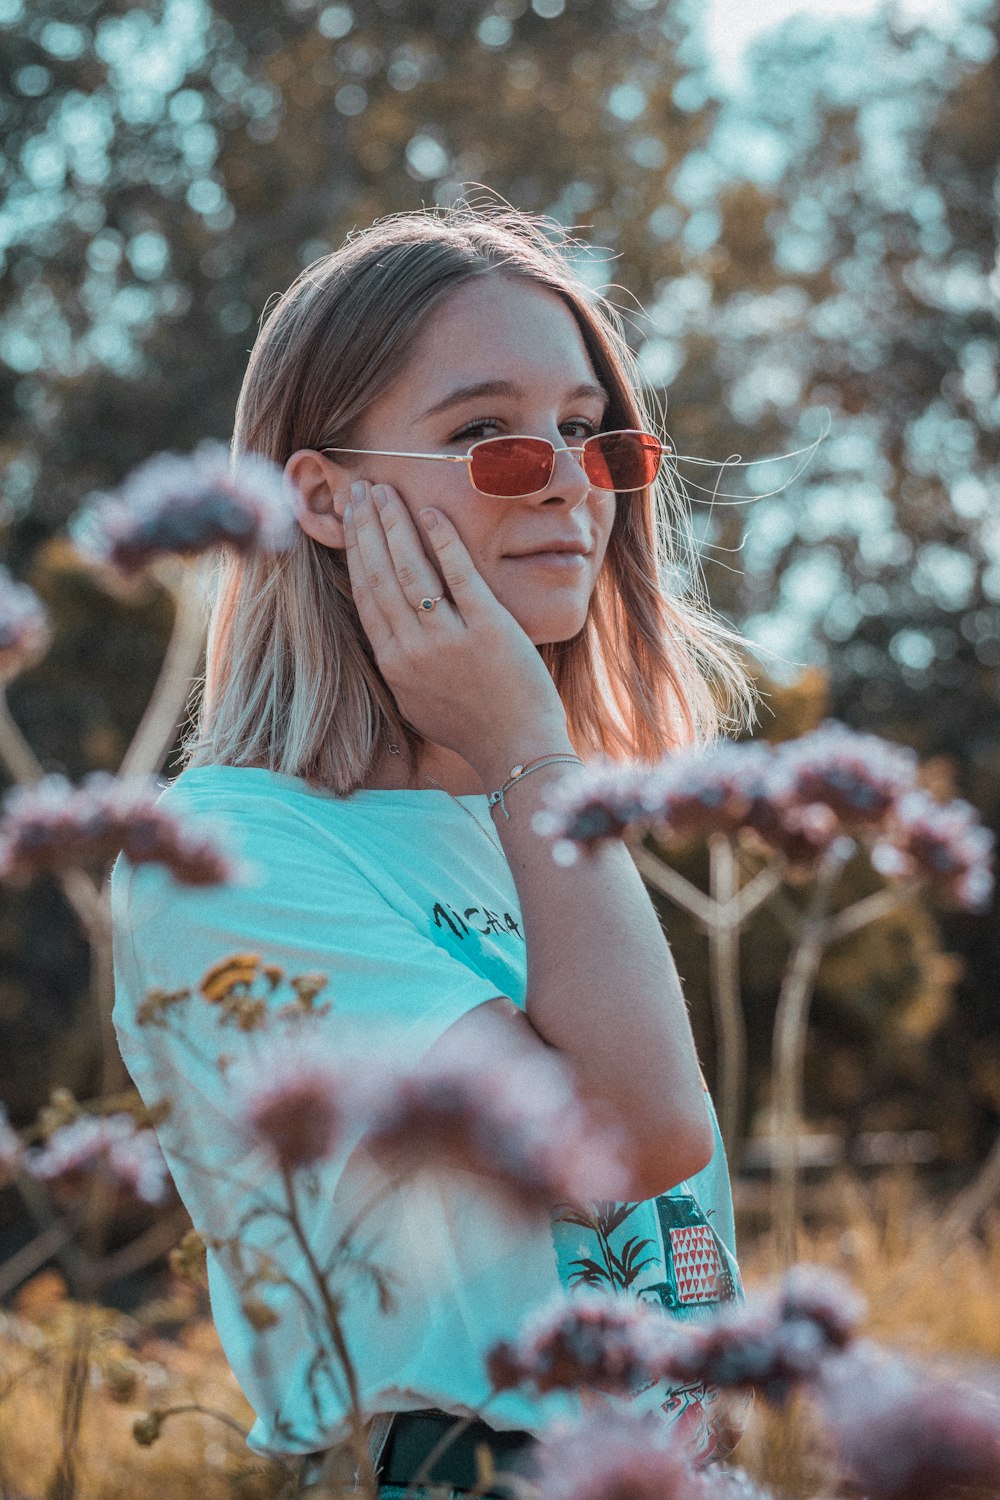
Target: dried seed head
(185, 505)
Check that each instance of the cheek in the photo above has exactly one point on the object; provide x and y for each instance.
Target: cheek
(604, 520)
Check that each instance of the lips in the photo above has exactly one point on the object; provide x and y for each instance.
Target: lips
(574, 547)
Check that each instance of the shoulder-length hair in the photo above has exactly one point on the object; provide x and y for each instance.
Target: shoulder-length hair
(291, 680)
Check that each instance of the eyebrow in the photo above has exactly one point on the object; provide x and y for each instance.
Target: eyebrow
(507, 389)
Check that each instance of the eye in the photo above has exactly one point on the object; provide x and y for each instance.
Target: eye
(584, 428)
(473, 432)
(577, 428)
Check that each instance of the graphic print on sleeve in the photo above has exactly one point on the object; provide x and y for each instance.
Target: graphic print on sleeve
(665, 1252)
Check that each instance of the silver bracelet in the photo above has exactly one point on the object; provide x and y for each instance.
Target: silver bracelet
(518, 772)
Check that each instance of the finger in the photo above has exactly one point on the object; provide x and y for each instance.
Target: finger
(469, 590)
(373, 620)
(381, 584)
(418, 578)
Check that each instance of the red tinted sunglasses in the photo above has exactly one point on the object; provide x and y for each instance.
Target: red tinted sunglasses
(515, 467)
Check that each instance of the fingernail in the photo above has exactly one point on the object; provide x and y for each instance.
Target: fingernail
(358, 491)
(348, 514)
(429, 518)
(380, 497)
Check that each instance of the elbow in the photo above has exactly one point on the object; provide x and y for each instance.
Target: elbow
(671, 1155)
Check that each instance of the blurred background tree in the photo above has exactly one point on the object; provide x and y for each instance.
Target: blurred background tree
(820, 239)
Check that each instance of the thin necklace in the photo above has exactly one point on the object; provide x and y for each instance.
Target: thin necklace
(394, 750)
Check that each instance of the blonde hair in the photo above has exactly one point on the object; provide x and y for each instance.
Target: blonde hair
(291, 679)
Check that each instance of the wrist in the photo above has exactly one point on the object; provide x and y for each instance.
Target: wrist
(521, 772)
(494, 767)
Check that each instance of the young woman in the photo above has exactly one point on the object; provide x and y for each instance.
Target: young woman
(484, 580)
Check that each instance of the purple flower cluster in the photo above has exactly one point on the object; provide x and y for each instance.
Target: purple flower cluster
(24, 627)
(523, 1128)
(185, 505)
(902, 1432)
(617, 1457)
(592, 1340)
(859, 777)
(529, 1135)
(770, 1343)
(113, 1145)
(52, 825)
(798, 798)
(945, 845)
(296, 1101)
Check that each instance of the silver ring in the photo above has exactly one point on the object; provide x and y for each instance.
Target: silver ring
(430, 603)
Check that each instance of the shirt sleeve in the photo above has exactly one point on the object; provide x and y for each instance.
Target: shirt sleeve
(305, 908)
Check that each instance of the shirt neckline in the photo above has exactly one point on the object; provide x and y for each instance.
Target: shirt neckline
(297, 784)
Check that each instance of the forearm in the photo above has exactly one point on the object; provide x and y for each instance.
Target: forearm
(602, 986)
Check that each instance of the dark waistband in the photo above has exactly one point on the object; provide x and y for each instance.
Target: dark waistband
(415, 1435)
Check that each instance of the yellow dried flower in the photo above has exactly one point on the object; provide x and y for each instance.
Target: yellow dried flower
(258, 1314)
(157, 1001)
(146, 1429)
(120, 1381)
(62, 1109)
(222, 978)
(188, 1259)
(249, 1014)
(308, 986)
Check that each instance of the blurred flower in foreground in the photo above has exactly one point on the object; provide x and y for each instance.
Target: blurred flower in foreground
(174, 504)
(302, 1095)
(50, 825)
(523, 1127)
(905, 1433)
(589, 1339)
(769, 1343)
(946, 846)
(857, 776)
(773, 1341)
(24, 627)
(798, 798)
(113, 1145)
(608, 1457)
(294, 1099)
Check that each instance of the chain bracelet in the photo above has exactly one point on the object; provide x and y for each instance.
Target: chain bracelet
(518, 772)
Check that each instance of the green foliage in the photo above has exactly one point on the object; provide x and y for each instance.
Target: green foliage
(825, 239)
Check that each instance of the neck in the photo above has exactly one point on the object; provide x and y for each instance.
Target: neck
(438, 764)
(448, 770)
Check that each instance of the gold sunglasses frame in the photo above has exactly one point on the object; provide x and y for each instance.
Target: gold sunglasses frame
(466, 458)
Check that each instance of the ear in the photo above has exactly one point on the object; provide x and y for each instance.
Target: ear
(323, 488)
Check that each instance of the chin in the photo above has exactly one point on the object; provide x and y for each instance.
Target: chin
(550, 634)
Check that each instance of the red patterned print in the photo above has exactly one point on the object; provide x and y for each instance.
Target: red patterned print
(697, 1264)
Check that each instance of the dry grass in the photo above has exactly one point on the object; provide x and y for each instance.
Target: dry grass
(881, 1236)
(198, 1457)
(942, 1307)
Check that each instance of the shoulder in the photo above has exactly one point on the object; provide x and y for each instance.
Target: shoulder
(258, 806)
(278, 831)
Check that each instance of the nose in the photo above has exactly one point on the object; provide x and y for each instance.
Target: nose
(569, 479)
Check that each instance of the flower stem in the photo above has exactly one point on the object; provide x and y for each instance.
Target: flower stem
(165, 708)
(790, 1030)
(724, 983)
(359, 1437)
(206, 1411)
(669, 883)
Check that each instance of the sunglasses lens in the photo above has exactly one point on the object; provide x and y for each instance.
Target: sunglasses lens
(511, 466)
(622, 460)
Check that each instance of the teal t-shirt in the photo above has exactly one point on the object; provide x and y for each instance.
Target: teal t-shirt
(413, 915)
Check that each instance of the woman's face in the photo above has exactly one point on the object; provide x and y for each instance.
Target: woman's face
(500, 356)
